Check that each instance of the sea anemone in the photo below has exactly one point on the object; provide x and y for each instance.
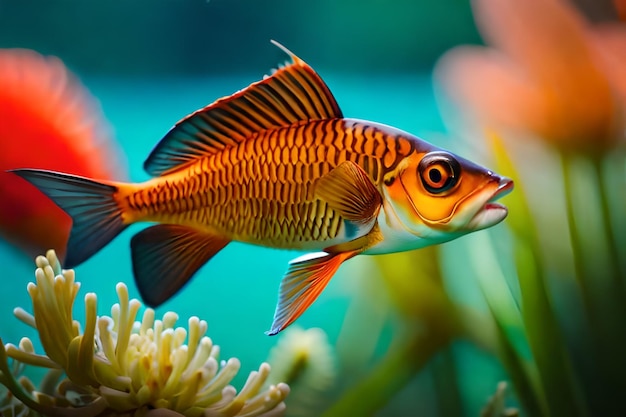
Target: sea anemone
(118, 366)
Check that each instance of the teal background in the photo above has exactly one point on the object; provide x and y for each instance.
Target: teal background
(151, 37)
(151, 62)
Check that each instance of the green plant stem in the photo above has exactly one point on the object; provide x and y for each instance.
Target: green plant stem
(613, 183)
(446, 384)
(523, 376)
(544, 336)
(589, 274)
(390, 375)
(559, 388)
(603, 294)
(609, 229)
(577, 251)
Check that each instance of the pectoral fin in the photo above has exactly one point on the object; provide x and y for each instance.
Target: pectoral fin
(166, 256)
(305, 279)
(349, 190)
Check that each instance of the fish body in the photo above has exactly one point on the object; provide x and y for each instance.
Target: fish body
(277, 165)
(262, 191)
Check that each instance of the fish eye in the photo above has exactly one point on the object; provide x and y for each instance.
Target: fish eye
(439, 172)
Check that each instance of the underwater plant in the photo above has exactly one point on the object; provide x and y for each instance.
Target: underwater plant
(425, 321)
(119, 366)
(551, 113)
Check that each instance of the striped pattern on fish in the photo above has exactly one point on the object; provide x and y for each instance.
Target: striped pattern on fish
(222, 193)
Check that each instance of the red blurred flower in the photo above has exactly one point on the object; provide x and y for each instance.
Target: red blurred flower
(47, 120)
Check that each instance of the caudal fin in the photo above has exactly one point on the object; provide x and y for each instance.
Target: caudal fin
(96, 216)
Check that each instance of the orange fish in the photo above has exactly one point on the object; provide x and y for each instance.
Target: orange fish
(47, 120)
(277, 165)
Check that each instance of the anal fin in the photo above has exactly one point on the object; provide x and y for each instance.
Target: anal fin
(303, 282)
(166, 256)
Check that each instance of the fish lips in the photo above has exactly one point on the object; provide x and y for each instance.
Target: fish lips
(492, 213)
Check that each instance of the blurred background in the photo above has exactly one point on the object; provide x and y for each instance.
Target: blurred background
(426, 333)
(164, 37)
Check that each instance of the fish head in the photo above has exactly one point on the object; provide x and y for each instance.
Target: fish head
(439, 196)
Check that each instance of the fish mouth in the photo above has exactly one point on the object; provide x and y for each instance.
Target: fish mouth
(492, 213)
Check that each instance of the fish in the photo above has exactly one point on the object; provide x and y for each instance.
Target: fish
(48, 120)
(277, 165)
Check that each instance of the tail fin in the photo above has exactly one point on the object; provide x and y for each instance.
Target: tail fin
(95, 214)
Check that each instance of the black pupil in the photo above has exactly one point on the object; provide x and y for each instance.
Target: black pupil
(434, 175)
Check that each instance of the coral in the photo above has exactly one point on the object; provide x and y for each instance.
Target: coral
(117, 366)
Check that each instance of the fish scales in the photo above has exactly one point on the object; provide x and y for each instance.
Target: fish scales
(221, 192)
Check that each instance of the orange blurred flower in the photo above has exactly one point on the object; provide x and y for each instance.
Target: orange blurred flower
(548, 72)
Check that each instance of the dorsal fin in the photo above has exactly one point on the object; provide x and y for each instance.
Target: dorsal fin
(292, 93)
